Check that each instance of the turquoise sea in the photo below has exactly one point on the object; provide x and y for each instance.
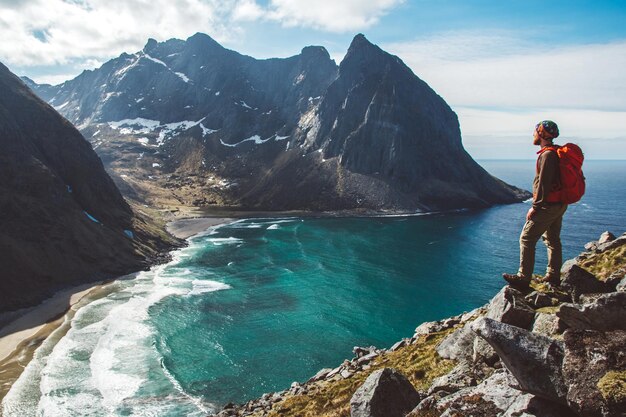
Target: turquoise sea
(251, 306)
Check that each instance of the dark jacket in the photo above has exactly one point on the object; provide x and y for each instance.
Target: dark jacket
(547, 178)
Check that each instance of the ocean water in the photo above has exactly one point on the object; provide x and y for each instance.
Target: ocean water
(251, 306)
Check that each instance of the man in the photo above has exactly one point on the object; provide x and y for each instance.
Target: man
(545, 216)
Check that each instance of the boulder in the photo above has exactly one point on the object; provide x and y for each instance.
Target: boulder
(616, 278)
(538, 299)
(546, 324)
(534, 360)
(460, 377)
(483, 351)
(622, 285)
(606, 237)
(385, 393)
(428, 327)
(603, 247)
(494, 397)
(458, 345)
(594, 370)
(509, 306)
(608, 312)
(576, 281)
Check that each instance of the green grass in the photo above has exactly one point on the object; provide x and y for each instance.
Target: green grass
(419, 362)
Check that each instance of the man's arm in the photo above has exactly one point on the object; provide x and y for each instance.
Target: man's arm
(548, 167)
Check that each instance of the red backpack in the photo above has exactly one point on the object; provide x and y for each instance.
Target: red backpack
(572, 184)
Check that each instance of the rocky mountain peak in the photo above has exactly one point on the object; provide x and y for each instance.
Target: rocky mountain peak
(197, 107)
(204, 41)
(315, 52)
(150, 45)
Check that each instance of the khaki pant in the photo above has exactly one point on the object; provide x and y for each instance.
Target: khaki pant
(545, 222)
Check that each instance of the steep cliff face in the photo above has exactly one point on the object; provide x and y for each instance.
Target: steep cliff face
(62, 220)
(213, 127)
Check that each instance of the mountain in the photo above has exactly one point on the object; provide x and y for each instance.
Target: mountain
(192, 123)
(62, 219)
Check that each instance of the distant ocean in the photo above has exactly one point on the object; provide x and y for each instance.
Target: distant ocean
(249, 307)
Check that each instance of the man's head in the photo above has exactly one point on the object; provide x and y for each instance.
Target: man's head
(546, 131)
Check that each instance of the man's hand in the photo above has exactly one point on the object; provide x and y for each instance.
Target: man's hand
(530, 213)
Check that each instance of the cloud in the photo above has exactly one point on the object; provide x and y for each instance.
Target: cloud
(56, 32)
(503, 134)
(328, 15)
(507, 71)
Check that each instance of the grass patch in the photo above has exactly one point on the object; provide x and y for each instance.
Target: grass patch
(419, 362)
(612, 386)
(604, 264)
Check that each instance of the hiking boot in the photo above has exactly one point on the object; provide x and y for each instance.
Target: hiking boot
(517, 281)
(549, 279)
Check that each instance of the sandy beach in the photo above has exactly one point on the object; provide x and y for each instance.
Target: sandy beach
(24, 334)
(20, 338)
(185, 228)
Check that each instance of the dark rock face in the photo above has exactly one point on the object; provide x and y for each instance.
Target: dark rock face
(385, 393)
(577, 281)
(62, 220)
(607, 312)
(510, 307)
(294, 133)
(534, 360)
(594, 369)
(493, 397)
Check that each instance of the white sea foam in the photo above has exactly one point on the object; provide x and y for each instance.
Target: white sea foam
(219, 241)
(107, 361)
(273, 227)
(202, 286)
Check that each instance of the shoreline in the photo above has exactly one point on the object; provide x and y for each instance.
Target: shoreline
(26, 329)
(20, 338)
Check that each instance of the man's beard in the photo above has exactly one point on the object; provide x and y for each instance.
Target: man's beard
(536, 141)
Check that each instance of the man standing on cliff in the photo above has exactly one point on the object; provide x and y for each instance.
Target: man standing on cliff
(544, 218)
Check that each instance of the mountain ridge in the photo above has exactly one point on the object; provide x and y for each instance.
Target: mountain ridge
(296, 133)
(63, 220)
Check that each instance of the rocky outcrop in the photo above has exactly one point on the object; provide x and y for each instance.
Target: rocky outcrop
(594, 369)
(606, 312)
(385, 393)
(534, 360)
(63, 221)
(190, 122)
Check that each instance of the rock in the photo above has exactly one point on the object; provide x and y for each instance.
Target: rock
(576, 281)
(459, 377)
(345, 374)
(615, 278)
(472, 315)
(508, 306)
(591, 246)
(534, 360)
(594, 369)
(458, 345)
(606, 237)
(320, 375)
(483, 351)
(546, 324)
(362, 351)
(603, 247)
(493, 397)
(397, 345)
(385, 393)
(622, 285)
(367, 358)
(608, 312)
(427, 328)
(538, 299)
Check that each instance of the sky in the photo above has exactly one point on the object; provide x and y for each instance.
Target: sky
(502, 65)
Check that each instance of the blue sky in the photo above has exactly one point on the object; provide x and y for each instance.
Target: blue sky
(501, 65)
